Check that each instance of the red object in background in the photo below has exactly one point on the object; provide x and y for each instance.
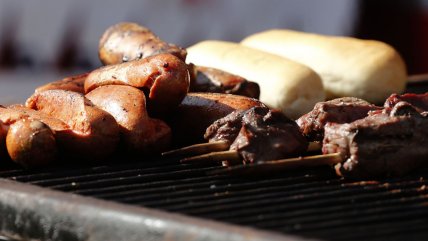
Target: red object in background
(402, 24)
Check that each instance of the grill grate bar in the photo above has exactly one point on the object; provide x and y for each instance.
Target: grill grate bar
(360, 220)
(233, 195)
(296, 201)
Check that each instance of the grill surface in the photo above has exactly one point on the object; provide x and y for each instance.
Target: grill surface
(311, 203)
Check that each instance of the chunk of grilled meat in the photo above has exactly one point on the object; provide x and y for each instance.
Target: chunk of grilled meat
(204, 79)
(259, 134)
(341, 110)
(388, 143)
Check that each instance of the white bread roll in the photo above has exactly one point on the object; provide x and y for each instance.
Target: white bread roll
(366, 69)
(284, 84)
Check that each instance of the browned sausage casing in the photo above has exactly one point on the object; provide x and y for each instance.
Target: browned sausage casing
(31, 143)
(126, 41)
(74, 83)
(199, 110)
(97, 131)
(204, 79)
(128, 106)
(164, 76)
(3, 133)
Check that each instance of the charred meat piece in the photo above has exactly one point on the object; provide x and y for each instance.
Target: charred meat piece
(127, 41)
(199, 110)
(259, 134)
(389, 143)
(204, 79)
(341, 110)
(419, 101)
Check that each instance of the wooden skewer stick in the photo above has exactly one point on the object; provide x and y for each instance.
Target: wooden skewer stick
(204, 148)
(198, 149)
(230, 156)
(278, 165)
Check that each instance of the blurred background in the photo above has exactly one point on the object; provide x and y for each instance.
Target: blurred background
(46, 40)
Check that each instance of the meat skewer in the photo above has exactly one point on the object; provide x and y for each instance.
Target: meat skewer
(253, 135)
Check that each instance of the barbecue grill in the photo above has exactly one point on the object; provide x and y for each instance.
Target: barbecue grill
(309, 203)
(137, 198)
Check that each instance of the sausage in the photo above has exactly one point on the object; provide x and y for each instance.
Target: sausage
(204, 79)
(164, 76)
(127, 41)
(200, 110)
(366, 69)
(284, 84)
(31, 143)
(97, 133)
(73, 83)
(127, 105)
(3, 133)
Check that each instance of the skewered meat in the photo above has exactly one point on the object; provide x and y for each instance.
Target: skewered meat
(3, 133)
(127, 105)
(341, 110)
(419, 101)
(126, 41)
(164, 77)
(97, 133)
(204, 79)
(388, 143)
(200, 110)
(259, 134)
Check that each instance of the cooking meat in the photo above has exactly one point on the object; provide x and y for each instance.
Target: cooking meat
(419, 101)
(97, 132)
(341, 110)
(388, 143)
(31, 143)
(73, 83)
(3, 133)
(127, 41)
(199, 110)
(127, 105)
(204, 79)
(259, 134)
(163, 77)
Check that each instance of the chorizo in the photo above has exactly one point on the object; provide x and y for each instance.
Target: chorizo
(164, 77)
(127, 105)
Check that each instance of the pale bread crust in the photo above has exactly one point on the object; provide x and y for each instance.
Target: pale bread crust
(284, 84)
(366, 69)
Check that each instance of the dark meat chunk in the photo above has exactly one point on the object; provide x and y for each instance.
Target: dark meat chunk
(204, 79)
(419, 101)
(389, 143)
(341, 110)
(259, 134)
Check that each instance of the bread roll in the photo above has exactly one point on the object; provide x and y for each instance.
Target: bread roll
(284, 84)
(365, 69)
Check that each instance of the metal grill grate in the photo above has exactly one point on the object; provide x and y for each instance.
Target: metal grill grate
(311, 203)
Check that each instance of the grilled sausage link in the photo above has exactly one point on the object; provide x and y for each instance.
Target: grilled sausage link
(199, 110)
(31, 143)
(164, 77)
(97, 132)
(126, 41)
(127, 105)
(3, 133)
(73, 83)
(204, 79)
